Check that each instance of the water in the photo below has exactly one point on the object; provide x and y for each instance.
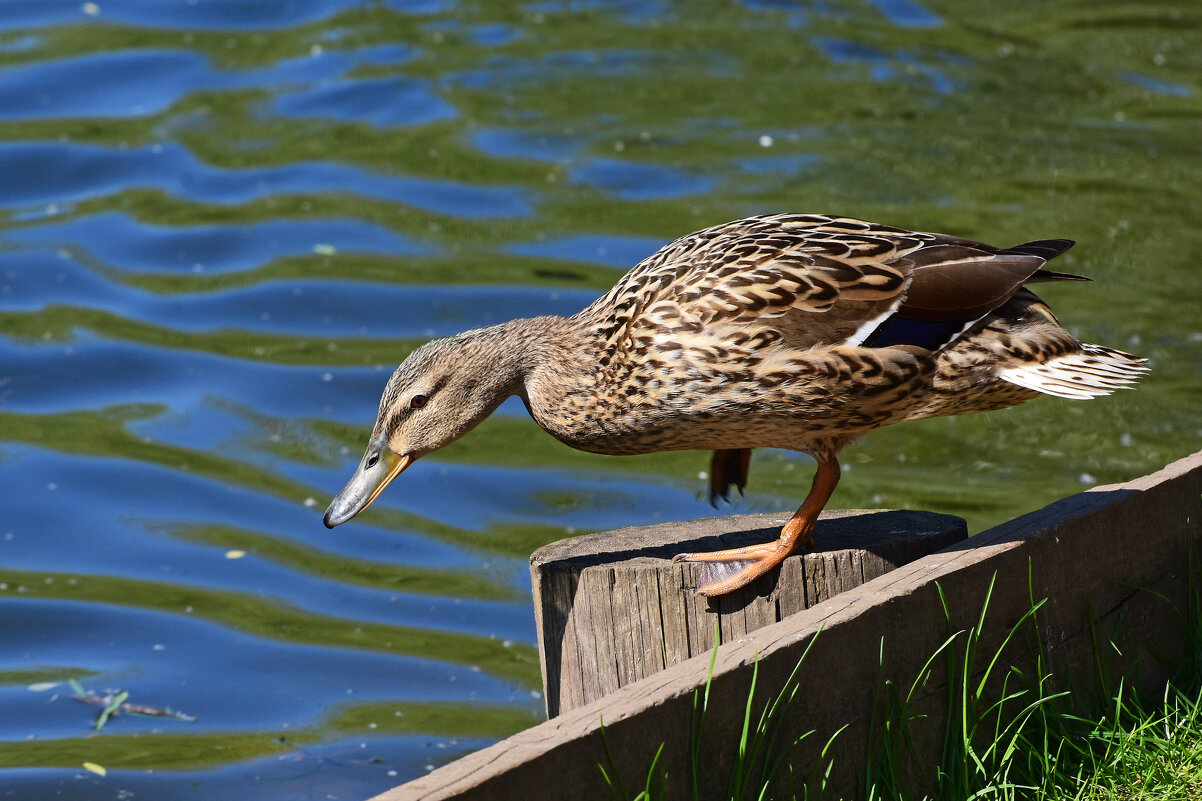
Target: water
(223, 222)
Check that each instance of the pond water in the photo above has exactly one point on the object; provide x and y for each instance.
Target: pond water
(223, 222)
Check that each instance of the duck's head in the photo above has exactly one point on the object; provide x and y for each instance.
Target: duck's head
(439, 393)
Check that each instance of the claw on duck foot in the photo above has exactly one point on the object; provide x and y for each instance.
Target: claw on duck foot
(727, 571)
(719, 578)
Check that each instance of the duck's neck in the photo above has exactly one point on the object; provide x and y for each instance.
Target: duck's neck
(537, 359)
(529, 356)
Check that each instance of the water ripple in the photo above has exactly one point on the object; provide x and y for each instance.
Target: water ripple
(631, 181)
(119, 239)
(47, 172)
(383, 101)
(121, 84)
(189, 14)
(613, 251)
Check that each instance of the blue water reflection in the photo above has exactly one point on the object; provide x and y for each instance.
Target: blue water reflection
(45, 172)
(115, 238)
(188, 14)
(130, 83)
(384, 101)
(612, 251)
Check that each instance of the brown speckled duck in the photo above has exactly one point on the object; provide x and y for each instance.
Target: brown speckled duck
(798, 331)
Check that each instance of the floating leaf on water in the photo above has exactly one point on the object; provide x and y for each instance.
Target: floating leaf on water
(76, 687)
(325, 250)
(114, 704)
(235, 554)
(42, 686)
(94, 768)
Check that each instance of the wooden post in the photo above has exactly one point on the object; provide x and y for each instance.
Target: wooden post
(612, 608)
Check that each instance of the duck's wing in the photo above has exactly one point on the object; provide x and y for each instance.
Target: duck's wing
(955, 283)
(814, 280)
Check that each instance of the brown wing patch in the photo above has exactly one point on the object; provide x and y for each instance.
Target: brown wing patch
(955, 283)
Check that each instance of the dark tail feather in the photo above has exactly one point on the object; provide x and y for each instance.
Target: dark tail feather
(1045, 249)
(728, 468)
(1051, 275)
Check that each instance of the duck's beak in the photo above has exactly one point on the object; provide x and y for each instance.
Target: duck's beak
(368, 482)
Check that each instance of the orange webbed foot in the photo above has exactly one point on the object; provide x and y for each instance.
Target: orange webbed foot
(727, 571)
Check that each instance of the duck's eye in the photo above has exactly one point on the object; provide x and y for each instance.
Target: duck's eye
(372, 460)
(418, 401)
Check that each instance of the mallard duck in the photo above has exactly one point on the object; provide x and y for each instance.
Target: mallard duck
(797, 331)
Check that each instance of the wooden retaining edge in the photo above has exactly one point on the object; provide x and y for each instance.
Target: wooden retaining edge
(1111, 562)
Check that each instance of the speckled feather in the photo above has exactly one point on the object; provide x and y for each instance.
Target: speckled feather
(752, 334)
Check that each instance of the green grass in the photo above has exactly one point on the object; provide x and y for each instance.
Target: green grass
(761, 757)
(1140, 751)
(1010, 736)
(1011, 733)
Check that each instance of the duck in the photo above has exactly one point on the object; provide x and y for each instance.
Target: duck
(795, 331)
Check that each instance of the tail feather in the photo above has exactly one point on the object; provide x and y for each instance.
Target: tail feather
(1045, 249)
(1087, 373)
(1042, 275)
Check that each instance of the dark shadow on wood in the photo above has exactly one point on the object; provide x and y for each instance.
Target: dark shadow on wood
(877, 531)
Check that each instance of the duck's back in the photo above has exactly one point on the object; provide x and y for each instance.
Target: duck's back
(816, 279)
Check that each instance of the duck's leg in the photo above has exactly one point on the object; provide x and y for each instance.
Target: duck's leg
(726, 571)
(728, 468)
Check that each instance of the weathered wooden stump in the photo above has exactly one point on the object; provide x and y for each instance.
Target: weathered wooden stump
(612, 608)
